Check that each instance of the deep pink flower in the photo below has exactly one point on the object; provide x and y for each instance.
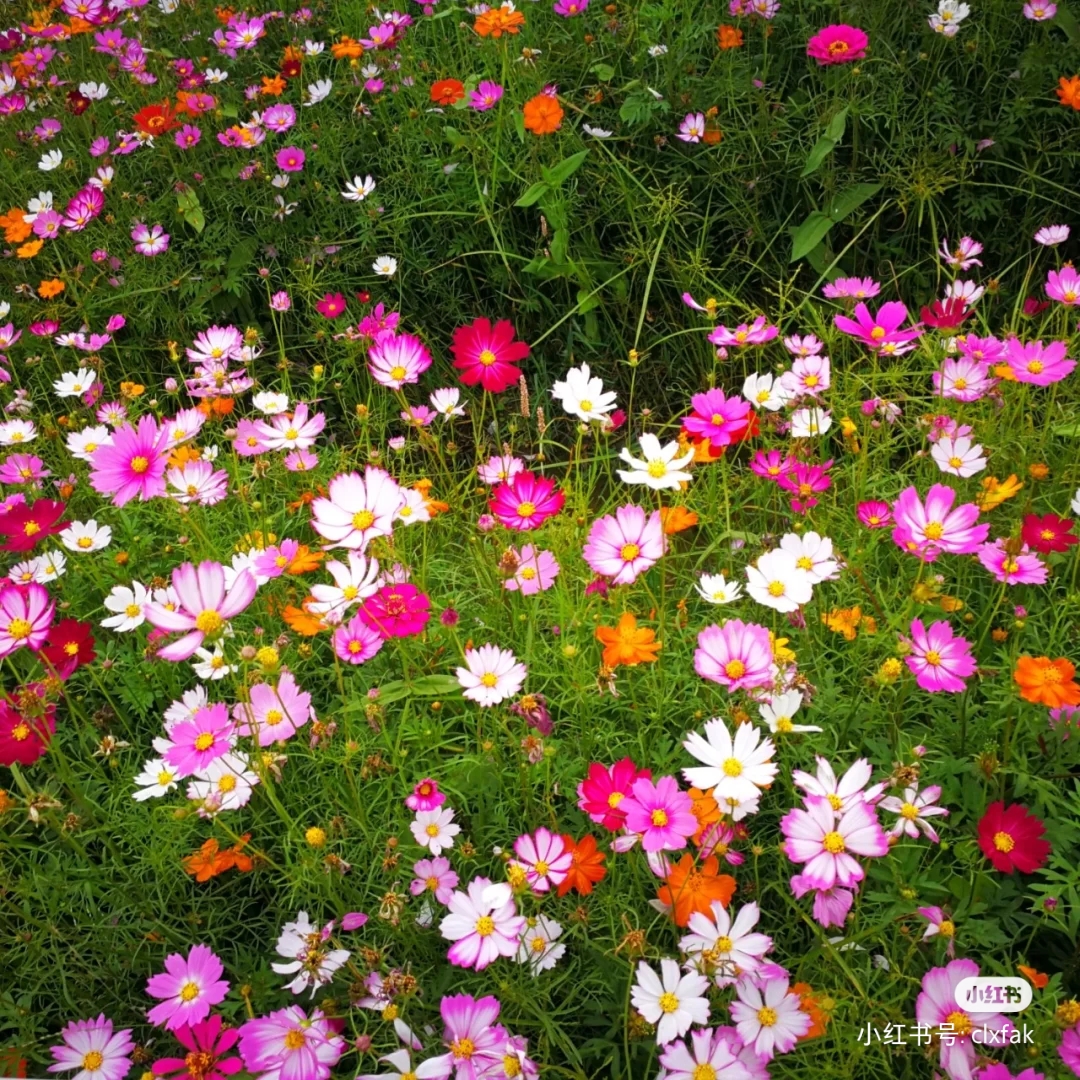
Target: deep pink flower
(881, 332)
(273, 713)
(1064, 285)
(206, 1044)
(1039, 366)
(189, 986)
(396, 611)
(756, 333)
(525, 501)
(720, 419)
(355, 642)
(425, 796)
(474, 1040)
(838, 44)
(331, 306)
(488, 355)
(939, 659)
(771, 464)
(82, 1038)
(660, 813)
(602, 792)
(290, 1045)
(290, 159)
(26, 615)
(874, 514)
(803, 480)
(133, 463)
(196, 743)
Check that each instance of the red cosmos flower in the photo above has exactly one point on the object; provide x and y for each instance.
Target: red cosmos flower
(207, 1046)
(70, 645)
(396, 611)
(23, 525)
(23, 740)
(1011, 838)
(77, 102)
(291, 69)
(156, 119)
(1033, 307)
(447, 91)
(601, 792)
(1048, 533)
(947, 315)
(331, 306)
(586, 865)
(487, 354)
(526, 501)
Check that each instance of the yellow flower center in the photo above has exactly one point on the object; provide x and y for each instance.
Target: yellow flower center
(947, 928)
(541, 868)
(1004, 842)
(528, 573)
(538, 944)
(734, 669)
(432, 830)
(432, 883)
(1035, 367)
(526, 509)
(833, 843)
(164, 778)
(295, 1039)
(585, 406)
(629, 552)
(31, 528)
(485, 926)
(878, 332)
(933, 658)
(955, 462)
(390, 1012)
(776, 588)
(835, 801)
(92, 1061)
(204, 741)
(811, 380)
(723, 945)
(668, 1002)
(209, 622)
(703, 1071)
(1010, 566)
(487, 358)
(189, 991)
(909, 811)
(732, 767)
(960, 384)
(717, 419)
(21, 731)
(960, 1023)
(657, 469)
(615, 798)
(19, 629)
(659, 818)
(489, 679)
(463, 1048)
(85, 542)
(363, 519)
(139, 464)
(397, 372)
(132, 610)
(766, 1016)
(227, 783)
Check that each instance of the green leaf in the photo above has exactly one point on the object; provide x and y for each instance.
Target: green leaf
(452, 135)
(1066, 21)
(190, 210)
(822, 149)
(837, 126)
(560, 241)
(534, 194)
(810, 233)
(1070, 430)
(848, 201)
(435, 686)
(565, 169)
(604, 72)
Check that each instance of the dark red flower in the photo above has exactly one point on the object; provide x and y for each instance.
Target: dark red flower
(1033, 307)
(290, 69)
(70, 645)
(947, 315)
(1048, 533)
(23, 739)
(77, 103)
(23, 526)
(1011, 838)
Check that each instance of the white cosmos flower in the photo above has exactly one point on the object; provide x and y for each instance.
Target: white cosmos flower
(765, 392)
(358, 189)
(813, 555)
(17, 432)
(385, 266)
(717, 589)
(737, 767)
(446, 402)
(95, 91)
(808, 423)
(127, 603)
(155, 780)
(777, 582)
(301, 944)
(50, 160)
(313, 48)
(538, 946)
(582, 394)
(660, 468)
(960, 456)
(491, 675)
(596, 132)
(225, 784)
(672, 1001)
(318, 90)
(270, 403)
(82, 444)
(778, 711)
(211, 666)
(968, 291)
(730, 946)
(86, 536)
(1074, 506)
(216, 75)
(74, 383)
(354, 582)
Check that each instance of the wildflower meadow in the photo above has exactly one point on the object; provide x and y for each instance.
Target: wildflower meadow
(540, 540)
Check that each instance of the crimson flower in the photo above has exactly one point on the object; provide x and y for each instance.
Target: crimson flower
(946, 316)
(24, 739)
(1033, 307)
(207, 1044)
(70, 645)
(1011, 838)
(1048, 533)
(24, 525)
(488, 355)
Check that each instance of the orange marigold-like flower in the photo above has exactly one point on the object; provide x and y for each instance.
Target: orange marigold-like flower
(16, 230)
(626, 644)
(1038, 979)
(209, 860)
(156, 119)
(543, 114)
(677, 519)
(1043, 681)
(705, 808)
(498, 21)
(274, 87)
(182, 455)
(810, 1003)
(305, 560)
(301, 620)
(995, 492)
(694, 888)
(48, 289)
(346, 48)
(1068, 91)
(586, 865)
(29, 249)
(729, 37)
(447, 91)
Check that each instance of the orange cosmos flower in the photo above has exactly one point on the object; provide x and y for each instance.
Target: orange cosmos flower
(156, 119)
(809, 1004)
(704, 807)
(48, 289)
(729, 37)
(274, 87)
(1043, 681)
(301, 620)
(1037, 978)
(209, 860)
(498, 21)
(347, 49)
(1068, 91)
(586, 865)
(543, 114)
(677, 519)
(995, 492)
(691, 888)
(305, 560)
(447, 91)
(625, 644)
(29, 249)
(15, 229)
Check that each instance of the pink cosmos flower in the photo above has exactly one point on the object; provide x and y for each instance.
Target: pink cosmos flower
(809, 376)
(132, 463)
(301, 461)
(756, 333)
(1031, 363)
(488, 355)
(536, 572)
(843, 793)
(804, 480)
(837, 44)
(913, 810)
(205, 606)
(874, 514)
(851, 288)
(498, 469)
(150, 241)
(768, 1018)
(198, 482)
(207, 1044)
(474, 1041)
(601, 793)
(1069, 1050)
(736, 655)
(962, 379)
(486, 95)
(881, 332)
(626, 544)
(1050, 235)
(289, 1045)
(396, 611)
(708, 1054)
(660, 813)
(26, 615)
(273, 713)
(396, 360)
(357, 508)
(525, 501)
(435, 876)
(197, 742)
(189, 986)
(937, 1008)
(939, 659)
(718, 418)
(92, 1048)
(356, 642)
(544, 857)
(928, 529)
(483, 924)
(831, 906)
(1064, 285)
(940, 925)
(425, 796)
(827, 846)
(490, 675)
(1021, 568)
(297, 431)
(692, 128)
(771, 464)
(331, 306)
(290, 159)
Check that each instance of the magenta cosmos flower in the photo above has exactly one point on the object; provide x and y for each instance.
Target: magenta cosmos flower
(759, 332)
(290, 1044)
(26, 614)
(488, 355)
(290, 159)
(486, 96)
(1023, 568)
(331, 306)
(1064, 285)
(273, 713)
(205, 606)
(737, 655)
(435, 876)
(483, 924)
(544, 857)
(828, 843)
(474, 1041)
(536, 571)
(189, 986)
(357, 508)
(718, 418)
(622, 546)
(355, 642)
(660, 813)
(937, 1007)
(395, 360)
(838, 44)
(133, 463)
(198, 742)
(939, 659)
(927, 529)
(207, 1045)
(1039, 366)
(525, 501)
(851, 288)
(602, 793)
(874, 514)
(94, 1049)
(425, 796)
(881, 332)
(396, 611)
